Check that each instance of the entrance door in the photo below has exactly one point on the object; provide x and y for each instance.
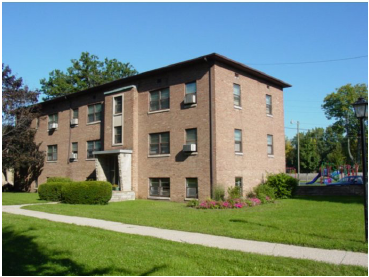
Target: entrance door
(114, 171)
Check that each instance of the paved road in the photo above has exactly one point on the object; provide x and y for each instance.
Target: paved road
(264, 248)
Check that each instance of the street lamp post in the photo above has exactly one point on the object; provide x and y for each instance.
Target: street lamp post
(298, 148)
(361, 112)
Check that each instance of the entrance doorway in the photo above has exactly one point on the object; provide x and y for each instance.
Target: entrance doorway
(113, 176)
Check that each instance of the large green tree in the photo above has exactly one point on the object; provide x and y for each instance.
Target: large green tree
(86, 72)
(338, 106)
(19, 152)
(309, 154)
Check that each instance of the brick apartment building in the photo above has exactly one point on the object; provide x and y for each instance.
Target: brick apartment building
(171, 133)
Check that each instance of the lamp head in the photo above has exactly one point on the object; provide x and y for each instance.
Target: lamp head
(361, 108)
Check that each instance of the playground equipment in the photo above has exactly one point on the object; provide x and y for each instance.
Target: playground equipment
(329, 172)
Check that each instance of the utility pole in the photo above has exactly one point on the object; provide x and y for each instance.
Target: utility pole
(298, 148)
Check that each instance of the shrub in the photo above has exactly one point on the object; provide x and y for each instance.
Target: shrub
(264, 190)
(193, 203)
(282, 184)
(58, 179)
(51, 191)
(251, 194)
(87, 192)
(234, 193)
(219, 193)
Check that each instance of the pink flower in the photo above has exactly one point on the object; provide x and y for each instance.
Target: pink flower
(255, 201)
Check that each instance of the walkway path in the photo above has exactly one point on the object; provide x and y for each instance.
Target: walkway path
(265, 248)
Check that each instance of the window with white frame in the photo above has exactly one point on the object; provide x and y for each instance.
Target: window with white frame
(191, 88)
(75, 113)
(118, 104)
(191, 188)
(236, 95)
(52, 152)
(268, 104)
(94, 145)
(118, 135)
(159, 187)
(270, 144)
(75, 149)
(53, 118)
(238, 141)
(159, 143)
(191, 136)
(94, 113)
(159, 100)
(238, 184)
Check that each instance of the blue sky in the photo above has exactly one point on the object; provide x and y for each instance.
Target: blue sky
(40, 37)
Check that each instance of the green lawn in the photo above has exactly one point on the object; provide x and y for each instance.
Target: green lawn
(18, 198)
(40, 247)
(323, 222)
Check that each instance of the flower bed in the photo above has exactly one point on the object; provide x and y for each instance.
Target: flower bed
(229, 204)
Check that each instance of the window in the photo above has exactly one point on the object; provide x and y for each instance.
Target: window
(160, 187)
(238, 141)
(159, 100)
(191, 188)
(191, 88)
(52, 152)
(94, 113)
(191, 136)
(159, 143)
(92, 146)
(236, 95)
(269, 104)
(75, 148)
(53, 118)
(238, 184)
(270, 145)
(37, 122)
(118, 135)
(75, 113)
(117, 104)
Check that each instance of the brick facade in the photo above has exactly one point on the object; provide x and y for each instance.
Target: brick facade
(214, 116)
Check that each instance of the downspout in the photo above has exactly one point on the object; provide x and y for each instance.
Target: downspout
(70, 129)
(210, 129)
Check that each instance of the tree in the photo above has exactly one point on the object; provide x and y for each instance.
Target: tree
(309, 155)
(290, 153)
(336, 156)
(19, 152)
(338, 105)
(84, 73)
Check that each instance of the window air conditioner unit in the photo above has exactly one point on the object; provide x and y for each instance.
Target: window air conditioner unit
(189, 147)
(53, 126)
(74, 121)
(73, 156)
(192, 192)
(190, 99)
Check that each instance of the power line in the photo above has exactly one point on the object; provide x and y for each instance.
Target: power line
(307, 62)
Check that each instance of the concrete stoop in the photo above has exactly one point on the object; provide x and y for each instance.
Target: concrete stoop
(119, 196)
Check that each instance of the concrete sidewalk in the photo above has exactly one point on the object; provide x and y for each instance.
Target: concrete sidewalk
(265, 248)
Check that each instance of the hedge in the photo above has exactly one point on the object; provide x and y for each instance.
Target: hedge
(87, 192)
(282, 184)
(58, 179)
(51, 191)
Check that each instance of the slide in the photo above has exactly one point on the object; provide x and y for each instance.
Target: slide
(335, 175)
(314, 180)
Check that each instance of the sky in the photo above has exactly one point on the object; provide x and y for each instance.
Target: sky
(276, 38)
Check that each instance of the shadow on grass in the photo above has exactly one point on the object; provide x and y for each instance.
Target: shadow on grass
(335, 199)
(22, 256)
(289, 231)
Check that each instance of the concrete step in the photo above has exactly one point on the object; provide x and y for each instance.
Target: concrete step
(119, 196)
